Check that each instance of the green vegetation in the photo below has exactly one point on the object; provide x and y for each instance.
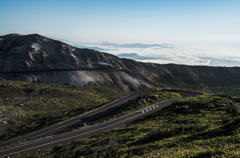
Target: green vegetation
(204, 85)
(134, 105)
(232, 90)
(25, 106)
(201, 126)
(130, 106)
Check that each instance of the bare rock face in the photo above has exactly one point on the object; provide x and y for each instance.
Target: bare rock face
(50, 61)
(33, 53)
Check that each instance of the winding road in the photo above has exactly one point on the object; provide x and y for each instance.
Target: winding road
(60, 70)
(44, 139)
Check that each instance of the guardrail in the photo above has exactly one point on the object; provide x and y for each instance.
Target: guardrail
(59, 70)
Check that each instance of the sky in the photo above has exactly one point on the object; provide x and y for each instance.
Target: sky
(192, 32)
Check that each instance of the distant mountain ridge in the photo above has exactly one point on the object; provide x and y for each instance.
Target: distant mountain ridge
(34, 52)
(134, 56)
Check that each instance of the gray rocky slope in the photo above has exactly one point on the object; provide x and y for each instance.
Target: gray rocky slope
(34, 53)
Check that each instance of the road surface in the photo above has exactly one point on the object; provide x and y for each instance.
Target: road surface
(60, 70)
(49, 142)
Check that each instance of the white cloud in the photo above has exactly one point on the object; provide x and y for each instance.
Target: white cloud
(188, 54)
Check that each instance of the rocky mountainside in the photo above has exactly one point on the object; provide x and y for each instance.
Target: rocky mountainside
(44, 60)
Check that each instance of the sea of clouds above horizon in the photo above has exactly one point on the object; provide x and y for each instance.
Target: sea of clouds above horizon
(207, 55)
(224, 53)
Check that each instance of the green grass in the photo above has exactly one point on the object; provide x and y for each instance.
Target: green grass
(201, 126)
(129, 107)
(26, 107)
(134, 105)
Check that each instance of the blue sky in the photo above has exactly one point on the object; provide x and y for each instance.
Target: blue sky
(189, 25)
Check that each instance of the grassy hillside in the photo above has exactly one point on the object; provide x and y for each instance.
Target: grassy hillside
(174, 82)
(134, 105)
(129, 107)
(201, 126)
(25, 106)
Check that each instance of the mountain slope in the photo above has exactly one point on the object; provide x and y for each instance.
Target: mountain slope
(24, 53)
(34, 52)
(196, 127)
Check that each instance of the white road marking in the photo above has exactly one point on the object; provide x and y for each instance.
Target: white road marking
(89, 131)
(74, 121)
(70, 137)
(74, 131)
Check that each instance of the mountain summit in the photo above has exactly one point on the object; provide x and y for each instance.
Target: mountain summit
(58, 63)
(35, 52)
(36, 58)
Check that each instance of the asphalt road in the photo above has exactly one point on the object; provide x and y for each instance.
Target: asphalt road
(47, 143)
(59, 70)
(66, 124)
